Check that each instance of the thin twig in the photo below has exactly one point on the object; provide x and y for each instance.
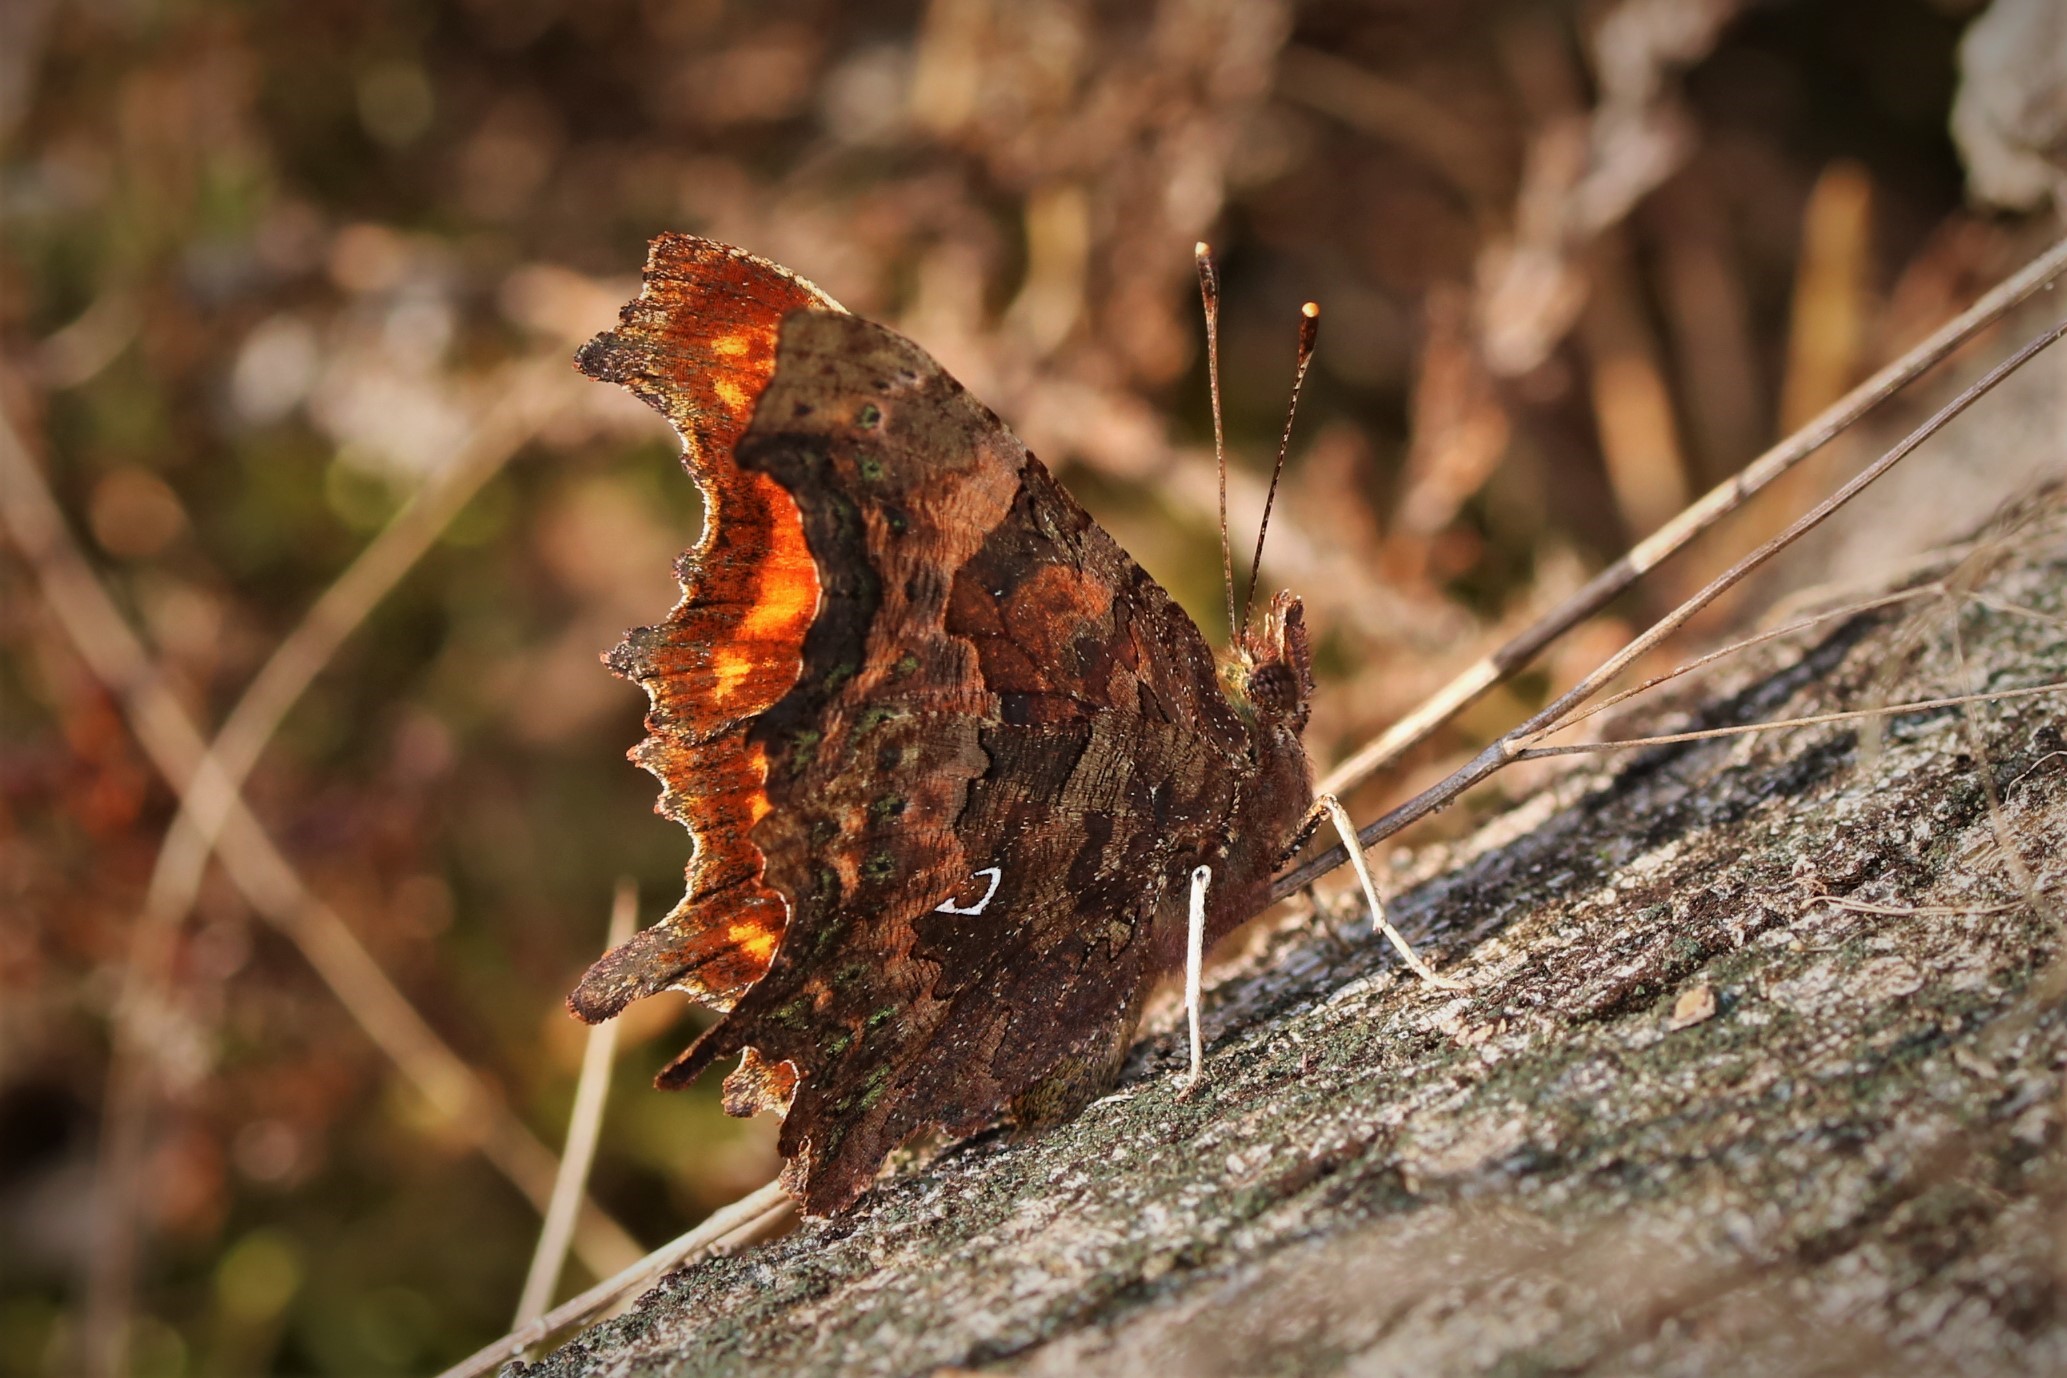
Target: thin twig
(1832, 592)
(2026, 772)
(1723, 652)
(728, 1227)
(2017, 610)
(254, 863)
(1473, 683)
(1940, 588)
(1505, 749)
(1887, 710)
(584, 1126)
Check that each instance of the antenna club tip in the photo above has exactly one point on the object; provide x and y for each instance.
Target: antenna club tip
(1312, 310)
(1202, 250)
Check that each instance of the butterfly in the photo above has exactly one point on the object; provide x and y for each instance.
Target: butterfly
(964, 782)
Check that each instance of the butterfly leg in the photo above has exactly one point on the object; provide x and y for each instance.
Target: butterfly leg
(1194, 960)
(1330, 807)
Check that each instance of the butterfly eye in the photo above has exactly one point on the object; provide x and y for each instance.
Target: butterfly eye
(1272, 688)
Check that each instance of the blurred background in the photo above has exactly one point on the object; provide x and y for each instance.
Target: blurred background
(287, 298)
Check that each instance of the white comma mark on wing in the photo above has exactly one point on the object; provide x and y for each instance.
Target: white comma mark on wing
(948, 905)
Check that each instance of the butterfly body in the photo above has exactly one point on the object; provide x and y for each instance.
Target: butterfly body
(958, 769)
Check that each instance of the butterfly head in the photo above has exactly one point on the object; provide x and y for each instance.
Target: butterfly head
(1270, 671)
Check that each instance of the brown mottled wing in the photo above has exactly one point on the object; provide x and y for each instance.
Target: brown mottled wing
(698, 345)
(1005, 744)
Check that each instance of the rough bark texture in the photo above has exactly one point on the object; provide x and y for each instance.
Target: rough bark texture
(1761, 1074)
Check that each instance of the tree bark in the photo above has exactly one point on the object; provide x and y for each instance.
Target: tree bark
(1760, 1073)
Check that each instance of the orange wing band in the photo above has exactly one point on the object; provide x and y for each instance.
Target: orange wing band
(698, 346)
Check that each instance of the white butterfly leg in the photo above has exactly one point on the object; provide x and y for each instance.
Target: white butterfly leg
(1194, 959)
(1331, 807)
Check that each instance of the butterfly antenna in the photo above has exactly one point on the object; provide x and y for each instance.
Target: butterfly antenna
(1309, 331)
(1209, 292)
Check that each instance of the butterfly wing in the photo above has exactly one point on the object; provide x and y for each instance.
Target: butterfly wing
(982, 781)
(999, 743)
(698, 345)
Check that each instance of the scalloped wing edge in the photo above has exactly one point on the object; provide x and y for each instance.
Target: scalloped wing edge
(698, 345)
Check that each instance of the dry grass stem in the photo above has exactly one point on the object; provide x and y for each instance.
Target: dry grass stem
(1701, 662)
(746, 1220)
(584, 1127)
(1887, 710)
